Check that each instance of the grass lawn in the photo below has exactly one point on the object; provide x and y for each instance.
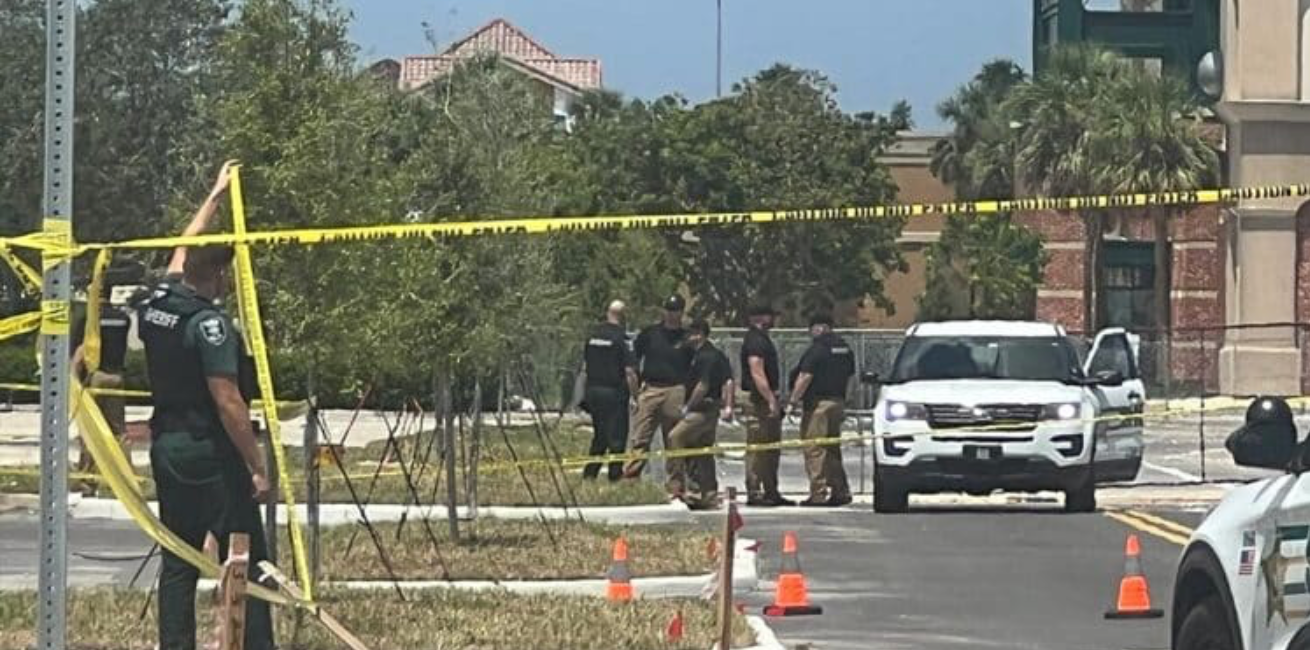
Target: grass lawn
(103, 619)
(511, 550)
(498, 482)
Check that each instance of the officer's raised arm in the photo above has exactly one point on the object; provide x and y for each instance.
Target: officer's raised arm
(200, 221)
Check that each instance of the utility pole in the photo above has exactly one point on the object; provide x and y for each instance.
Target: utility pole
(52, 579)
(718, 51)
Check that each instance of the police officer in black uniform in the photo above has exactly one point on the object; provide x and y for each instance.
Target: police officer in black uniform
(710, 394)
(826, 370)
(208, 470)
(611, 381)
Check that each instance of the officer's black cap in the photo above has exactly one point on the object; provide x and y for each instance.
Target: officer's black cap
(674, 303)
(1269, 410)
(821, 318)
(762, 309)
(699, 326)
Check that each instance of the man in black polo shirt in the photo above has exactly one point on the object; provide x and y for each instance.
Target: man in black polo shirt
(611, 380)
(665, 363)
(826, 371)
(709, 396)
(759, 375)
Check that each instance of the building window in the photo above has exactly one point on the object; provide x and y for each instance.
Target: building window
(1129, 285)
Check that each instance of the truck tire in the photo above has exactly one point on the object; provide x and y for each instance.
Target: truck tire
(888, 498)
(1082, 497)
(1205, 627)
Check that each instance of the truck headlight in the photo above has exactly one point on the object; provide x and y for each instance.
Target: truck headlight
(906, 411)
(1061, 411)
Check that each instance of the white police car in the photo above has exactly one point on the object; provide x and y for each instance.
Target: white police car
(979, 406)
(1243, 582)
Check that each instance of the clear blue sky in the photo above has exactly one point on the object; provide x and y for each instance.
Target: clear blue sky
(876, 51)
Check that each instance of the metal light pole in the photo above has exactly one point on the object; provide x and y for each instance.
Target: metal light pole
(52, 580)
(718, 50)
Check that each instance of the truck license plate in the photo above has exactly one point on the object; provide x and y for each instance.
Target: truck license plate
(982, 453)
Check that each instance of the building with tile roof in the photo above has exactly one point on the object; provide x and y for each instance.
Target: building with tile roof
(565, 77)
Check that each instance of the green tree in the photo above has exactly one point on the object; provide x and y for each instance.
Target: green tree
(144, 67)
(781, 141)
(1095, 123)
(1055, 113)
(22, 54)
(983, 266)
(1148, 138)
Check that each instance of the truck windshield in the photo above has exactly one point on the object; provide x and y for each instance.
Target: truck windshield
(986, 357)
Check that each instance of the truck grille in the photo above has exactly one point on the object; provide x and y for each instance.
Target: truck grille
(998, 417)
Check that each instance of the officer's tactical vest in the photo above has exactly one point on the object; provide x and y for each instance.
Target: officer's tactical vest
(180, 393)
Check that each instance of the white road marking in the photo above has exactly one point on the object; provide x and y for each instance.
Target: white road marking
(1176, 473)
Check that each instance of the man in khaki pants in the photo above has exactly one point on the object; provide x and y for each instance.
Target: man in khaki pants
(665, 364)
(759, 375)
(710, 395)
(826, 371)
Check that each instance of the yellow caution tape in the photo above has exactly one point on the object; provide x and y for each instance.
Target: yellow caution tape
(116, 470)
(536, 225)
(27, 275)
(254, 335)
(55, 317)
(19, 325)
(91, 335)
(56, 238)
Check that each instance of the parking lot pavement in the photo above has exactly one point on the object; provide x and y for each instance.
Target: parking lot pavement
(965, 576)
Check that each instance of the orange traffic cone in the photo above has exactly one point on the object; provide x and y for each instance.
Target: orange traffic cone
(619, 589)
(791, 597)
(1134, 592)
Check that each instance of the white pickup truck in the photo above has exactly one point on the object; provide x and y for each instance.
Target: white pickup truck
(980, 406)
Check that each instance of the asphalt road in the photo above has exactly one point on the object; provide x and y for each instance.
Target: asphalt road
(965, 577)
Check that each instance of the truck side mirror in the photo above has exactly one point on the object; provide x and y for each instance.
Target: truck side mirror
(870, 378)
(1265, 445)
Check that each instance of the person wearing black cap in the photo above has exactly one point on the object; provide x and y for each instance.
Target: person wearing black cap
(826, 372)
(759, 375)
(611, 380)
(710, 395)
(105, 370)
(665, 363)
(1268, 435)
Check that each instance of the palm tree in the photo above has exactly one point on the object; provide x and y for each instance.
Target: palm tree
(979, 126)
(982, 266)
(1056, 114)
(1147, 137)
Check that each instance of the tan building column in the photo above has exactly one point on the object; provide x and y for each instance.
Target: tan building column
(1265, 107)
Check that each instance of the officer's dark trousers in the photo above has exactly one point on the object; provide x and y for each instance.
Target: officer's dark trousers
(609, 421)
(201, 492)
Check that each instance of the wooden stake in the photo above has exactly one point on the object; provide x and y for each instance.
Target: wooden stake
(727, 551)
(232, 594)
(333, 625)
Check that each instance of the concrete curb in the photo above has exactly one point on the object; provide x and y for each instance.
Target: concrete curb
(765, 639)
(12, 502)
(745, 580)
(336, 514)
